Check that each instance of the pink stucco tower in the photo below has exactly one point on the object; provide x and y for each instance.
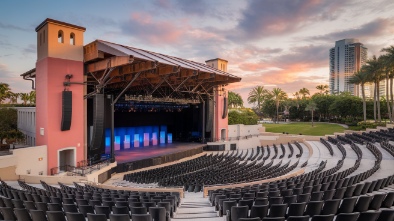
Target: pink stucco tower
(60, 53)
(220, 129)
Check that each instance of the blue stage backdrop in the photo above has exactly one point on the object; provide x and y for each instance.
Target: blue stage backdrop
(137, 137)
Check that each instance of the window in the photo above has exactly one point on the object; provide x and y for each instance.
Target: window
(72, 39)
(60, 36)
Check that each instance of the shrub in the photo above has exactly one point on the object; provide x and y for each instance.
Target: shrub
(244, 116)
(369, 124)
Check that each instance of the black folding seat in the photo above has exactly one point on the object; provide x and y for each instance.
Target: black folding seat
(328, 194)
(339, 193)
(119, 217)
(365, 188)
(30, 205)
(261, 194)
(122, 203)
(158, 213)
(261, 201)
(106, 210)
(94, 202)
(273, 193)
(82, 202)
(297, 191)
(347, 216)
(138, 210)
(8, 202)
(120, 210)
(290, 199)
(96, 217)
(378, 184)
(141, 217)
(250, 219)
(349, 191)
(275, 200)
(75, 216)
(147, 205)
(166, 205)
(376, 201)
(386, 215)
(358, 189)
(22, 214)
(135, 204)
(313, 208)
(249, 196)
(110, 204)
(298, 218)
(18, 203)
(316, 196)
(274, 219)
(316, 188)
(85, 209)
(347, 205)
(172, 203)
(260, 211)
(323, 217)
(237, 212)
(330, 207)
(68, 201)
(362, 203)
(7, 213)
(277, 210)
(388, 200)
(42, 206)
(55, 216)
(287, 192)
(45, 199)
(304, 198)
(307, 189)
(247, 202)
(54, 207)
(369, 216)
(37, 198)
(296, 209)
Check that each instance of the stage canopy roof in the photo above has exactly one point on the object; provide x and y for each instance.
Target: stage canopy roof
(127, 70)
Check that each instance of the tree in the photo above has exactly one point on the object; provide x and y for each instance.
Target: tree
(25, 97)
(373, 68)
(8, 122)
(257, 95)
(234, 100)
(5, 91)
(13, 97)
(278, 95)
(311, 107)
(323, 89)
(304, 92)
(360, 78)
(389, 64)
(32, 97)
(244, 116)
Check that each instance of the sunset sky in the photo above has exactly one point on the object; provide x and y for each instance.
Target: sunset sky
(274, 43)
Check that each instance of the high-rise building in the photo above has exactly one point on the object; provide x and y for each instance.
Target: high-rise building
(346, 57)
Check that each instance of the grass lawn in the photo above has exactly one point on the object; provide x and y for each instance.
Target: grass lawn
(304, 128)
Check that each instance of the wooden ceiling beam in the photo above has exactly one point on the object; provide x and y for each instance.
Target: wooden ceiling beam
(111, 62)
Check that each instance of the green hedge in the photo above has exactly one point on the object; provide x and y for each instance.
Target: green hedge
(369, 124)
(244, 116)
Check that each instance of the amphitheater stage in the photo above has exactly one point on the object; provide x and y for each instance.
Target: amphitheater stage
(138, 158)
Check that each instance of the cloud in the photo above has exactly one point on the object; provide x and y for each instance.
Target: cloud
(12, 27)
(30, 49)
(142, 26)
(272, 17)
(373, 29)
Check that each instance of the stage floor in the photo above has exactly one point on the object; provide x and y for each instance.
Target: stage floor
(140, 153)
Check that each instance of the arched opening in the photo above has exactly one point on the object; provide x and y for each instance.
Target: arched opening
(72, 39)
(60, 36)
(223, 134)
(67, 157)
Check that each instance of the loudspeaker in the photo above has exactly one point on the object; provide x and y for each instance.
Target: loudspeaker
(98, 122)
(67, 107)
(209, 116)
(225, 108)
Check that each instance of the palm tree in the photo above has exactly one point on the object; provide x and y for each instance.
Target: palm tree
(323, 88)
(297, 97)
(360, 78)
(235, 100)
(278, 95)
(304, 91)
(373, 67)
(5, 91)
(389, 63)
(32, 97)
(311, 107)
(257, 95)
(13, 97)
(24, 97)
